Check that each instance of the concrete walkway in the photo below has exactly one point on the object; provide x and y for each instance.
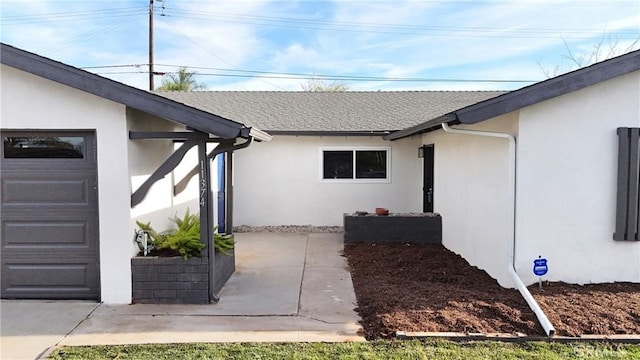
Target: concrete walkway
(287, 287)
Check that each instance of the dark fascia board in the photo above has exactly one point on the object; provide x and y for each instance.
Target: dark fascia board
(421, 128)
(531, 94)
(118, 92)
(545, 90)
(328, 133)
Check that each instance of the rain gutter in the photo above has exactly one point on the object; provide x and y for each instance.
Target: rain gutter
(329, 133)
(542, 317)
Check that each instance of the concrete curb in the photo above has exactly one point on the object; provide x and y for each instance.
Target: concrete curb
(519, 337)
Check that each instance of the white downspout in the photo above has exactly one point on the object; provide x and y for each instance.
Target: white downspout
(542, 318)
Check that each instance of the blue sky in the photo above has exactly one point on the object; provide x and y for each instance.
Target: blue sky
(442, 45)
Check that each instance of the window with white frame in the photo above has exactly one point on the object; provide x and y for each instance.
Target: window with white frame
(357, 164)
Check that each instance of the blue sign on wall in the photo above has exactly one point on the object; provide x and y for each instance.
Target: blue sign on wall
(540, 266)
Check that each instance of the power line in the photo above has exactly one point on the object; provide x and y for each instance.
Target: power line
(307, 21)
(389, 28)
(214, 54)
(70, 16)
(322, 24)
(338, 77)
(369, 78)
(299, 76)
(114, 25)
(121, 15)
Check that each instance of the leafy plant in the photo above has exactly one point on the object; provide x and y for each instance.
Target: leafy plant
(223, 243)
(154, 236)
(184, 239)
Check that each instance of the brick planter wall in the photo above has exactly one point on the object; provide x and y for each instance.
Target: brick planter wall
(376, 229)
(170, 280)
(225, 266)
(174, 280)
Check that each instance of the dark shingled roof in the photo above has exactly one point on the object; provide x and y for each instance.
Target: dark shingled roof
(330, 112)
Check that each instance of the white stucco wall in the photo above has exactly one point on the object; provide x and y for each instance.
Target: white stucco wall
(31, 102)
(278, 183)
(145, 156)
(471, 194)
(566, 187)
(567, 166)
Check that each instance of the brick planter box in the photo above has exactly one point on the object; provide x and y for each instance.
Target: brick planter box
(174, 280)
(374, 229)
(225, 266)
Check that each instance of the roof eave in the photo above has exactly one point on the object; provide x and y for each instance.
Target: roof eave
(329, 133)
(118, 92)
(421, 128)
(256, 134)
(548, 89)
(531, 94)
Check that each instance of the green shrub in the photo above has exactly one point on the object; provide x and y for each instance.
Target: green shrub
(223, 243)
(184, 239)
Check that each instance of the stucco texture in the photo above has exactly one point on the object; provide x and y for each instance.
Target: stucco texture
(279, 183)
(567, 173)
(31, 102)
(565, 187)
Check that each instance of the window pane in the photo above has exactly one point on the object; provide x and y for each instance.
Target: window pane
(337, 165)
(371, 164)
(44, 147)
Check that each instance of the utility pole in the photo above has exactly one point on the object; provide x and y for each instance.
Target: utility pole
(151, 86)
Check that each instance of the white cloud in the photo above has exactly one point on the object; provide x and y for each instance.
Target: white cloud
(294, 55)
(425, 39)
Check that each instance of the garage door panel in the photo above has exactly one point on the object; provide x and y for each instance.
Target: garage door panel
(49, 214)
(49, 224)
(59, 165)
(47, 236)
(50, 230)
(31, 278)
(74, 189)
(66, 192)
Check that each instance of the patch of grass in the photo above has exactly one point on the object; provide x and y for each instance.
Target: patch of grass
(387, 350)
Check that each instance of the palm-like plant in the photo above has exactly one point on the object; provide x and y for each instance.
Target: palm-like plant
(183, 80)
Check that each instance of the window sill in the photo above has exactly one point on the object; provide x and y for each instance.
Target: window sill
(355, 181)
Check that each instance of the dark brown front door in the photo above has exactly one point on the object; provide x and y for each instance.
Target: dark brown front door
(427, 182)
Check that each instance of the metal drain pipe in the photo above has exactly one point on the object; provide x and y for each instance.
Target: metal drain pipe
(542, 318)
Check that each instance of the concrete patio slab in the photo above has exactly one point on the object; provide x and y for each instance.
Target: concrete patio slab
(137, 329)
(263, 250)
(249, 292)
(287, 287)
(322, 250)
(29, 328)
(327, 295)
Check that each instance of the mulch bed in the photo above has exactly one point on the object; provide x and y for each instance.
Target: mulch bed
(593, 309)
(427, 288)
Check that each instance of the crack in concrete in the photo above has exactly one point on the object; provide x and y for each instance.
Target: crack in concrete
(304, 268)
(322, 321)
(45, 354)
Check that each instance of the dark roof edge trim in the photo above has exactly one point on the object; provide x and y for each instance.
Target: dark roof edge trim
(422, 128)
(545, 90)
(328, 133)
(531, 94)
(118, 92)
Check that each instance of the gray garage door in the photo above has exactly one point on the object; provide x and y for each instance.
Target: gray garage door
(49, 215)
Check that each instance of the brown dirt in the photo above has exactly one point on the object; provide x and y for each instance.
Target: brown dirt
(428, 288)
(594, 309)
